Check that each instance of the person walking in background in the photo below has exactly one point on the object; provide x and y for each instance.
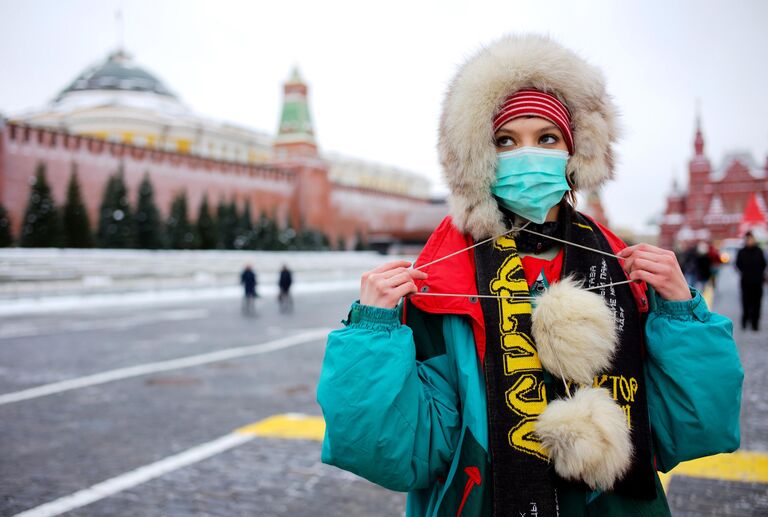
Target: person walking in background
(248, 281)
(687, 262)
(750, 261)
(284, 298)
(703, 266)
(716, 263)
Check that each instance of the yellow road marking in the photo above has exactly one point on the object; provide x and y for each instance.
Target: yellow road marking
(291, 425)
(743, 466)
(747, 467)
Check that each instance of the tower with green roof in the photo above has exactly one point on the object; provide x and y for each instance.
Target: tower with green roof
(295, 136)
(295, 147)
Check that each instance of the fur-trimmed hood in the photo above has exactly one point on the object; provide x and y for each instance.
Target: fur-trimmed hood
(466, 149)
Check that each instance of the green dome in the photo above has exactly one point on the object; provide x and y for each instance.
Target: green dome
(118, 72)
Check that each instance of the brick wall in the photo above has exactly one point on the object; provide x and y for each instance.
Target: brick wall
(296, 188)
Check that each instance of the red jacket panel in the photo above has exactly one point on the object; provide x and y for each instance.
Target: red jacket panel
(456, 275)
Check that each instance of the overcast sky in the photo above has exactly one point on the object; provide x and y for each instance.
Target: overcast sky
(377, 71)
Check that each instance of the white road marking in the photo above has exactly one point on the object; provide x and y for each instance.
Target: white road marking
(186, 339)
(173, 364)
(31, 329)
(138, 476)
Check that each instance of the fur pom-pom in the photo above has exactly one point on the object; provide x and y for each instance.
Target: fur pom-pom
(587, 437)
(574, 332)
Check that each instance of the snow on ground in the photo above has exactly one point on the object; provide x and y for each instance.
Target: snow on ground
(42, 280)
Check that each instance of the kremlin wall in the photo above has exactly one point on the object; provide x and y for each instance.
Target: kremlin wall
(117, 115)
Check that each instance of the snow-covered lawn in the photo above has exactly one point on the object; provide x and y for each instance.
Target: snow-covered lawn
(33, 280)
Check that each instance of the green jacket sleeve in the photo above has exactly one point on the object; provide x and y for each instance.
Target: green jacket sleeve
(694, 378)
(389, 418)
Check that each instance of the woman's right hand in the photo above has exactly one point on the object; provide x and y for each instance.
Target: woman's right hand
(384, 286)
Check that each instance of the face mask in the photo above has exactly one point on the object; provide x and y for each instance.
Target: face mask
(530, 181)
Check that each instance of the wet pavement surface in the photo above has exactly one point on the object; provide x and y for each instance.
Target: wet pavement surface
(55, 445)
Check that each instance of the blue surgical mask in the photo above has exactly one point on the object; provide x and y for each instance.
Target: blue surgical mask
(530, 181)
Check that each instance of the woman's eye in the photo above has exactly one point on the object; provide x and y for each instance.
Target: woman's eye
(548, 139)
(504, 141)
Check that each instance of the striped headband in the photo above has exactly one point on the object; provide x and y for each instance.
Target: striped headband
(538, 104)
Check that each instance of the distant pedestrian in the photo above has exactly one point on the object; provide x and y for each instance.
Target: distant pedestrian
(703, 266)
(750, 262)
(248, 281)
(687, 262)
(716, 262)
(284, 298)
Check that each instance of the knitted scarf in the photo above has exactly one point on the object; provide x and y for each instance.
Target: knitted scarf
(523, 481)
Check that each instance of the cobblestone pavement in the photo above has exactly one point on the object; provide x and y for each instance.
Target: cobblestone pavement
(266, 477)
(56, 445)
(694, 497)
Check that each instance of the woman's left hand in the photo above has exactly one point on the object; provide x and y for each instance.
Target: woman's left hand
(657, 267)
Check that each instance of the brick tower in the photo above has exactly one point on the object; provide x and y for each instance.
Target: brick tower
(295, 136)
(295, 147)
(699, 190)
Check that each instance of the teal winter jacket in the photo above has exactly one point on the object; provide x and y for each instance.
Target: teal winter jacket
(405, 405)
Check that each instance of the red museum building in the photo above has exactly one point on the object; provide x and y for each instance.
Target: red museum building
(720, 203)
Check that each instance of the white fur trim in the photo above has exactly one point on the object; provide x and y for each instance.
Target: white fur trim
(575, 332)
(466, 148)
(587, 437)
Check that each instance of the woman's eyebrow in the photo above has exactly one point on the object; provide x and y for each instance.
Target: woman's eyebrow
(549, 128)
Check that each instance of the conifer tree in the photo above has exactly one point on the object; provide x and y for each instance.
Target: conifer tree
(41, 226)
(233, 225)
(76, 224)
(221, 215)
(259, 233)
(361, 244)
(273, 230)
(314, 240)
(6, 238)
(116, 227)
(207, 230)
(181, 234)
(286, 237)
(266, 233)
(105, 210)
(226, 225)
(148, 226)
(245, 238)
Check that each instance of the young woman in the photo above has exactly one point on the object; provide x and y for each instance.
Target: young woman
(530, 363)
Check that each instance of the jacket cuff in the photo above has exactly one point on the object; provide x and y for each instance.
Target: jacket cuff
(695, 308)
(374, 318)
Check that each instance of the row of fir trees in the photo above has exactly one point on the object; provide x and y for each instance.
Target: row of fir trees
(122, 226)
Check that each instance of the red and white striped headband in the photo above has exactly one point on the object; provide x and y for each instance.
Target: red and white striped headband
(538, 104)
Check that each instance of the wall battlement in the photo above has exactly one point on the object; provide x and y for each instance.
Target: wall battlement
(293, 189)
(22, 134)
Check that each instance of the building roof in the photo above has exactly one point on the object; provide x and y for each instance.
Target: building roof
(295, 120)
(117, 72)
(744, 158)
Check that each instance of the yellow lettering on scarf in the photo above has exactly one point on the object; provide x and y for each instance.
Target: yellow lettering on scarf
(622, 389)
(520, 352)
(505, 285)
(527, 397)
